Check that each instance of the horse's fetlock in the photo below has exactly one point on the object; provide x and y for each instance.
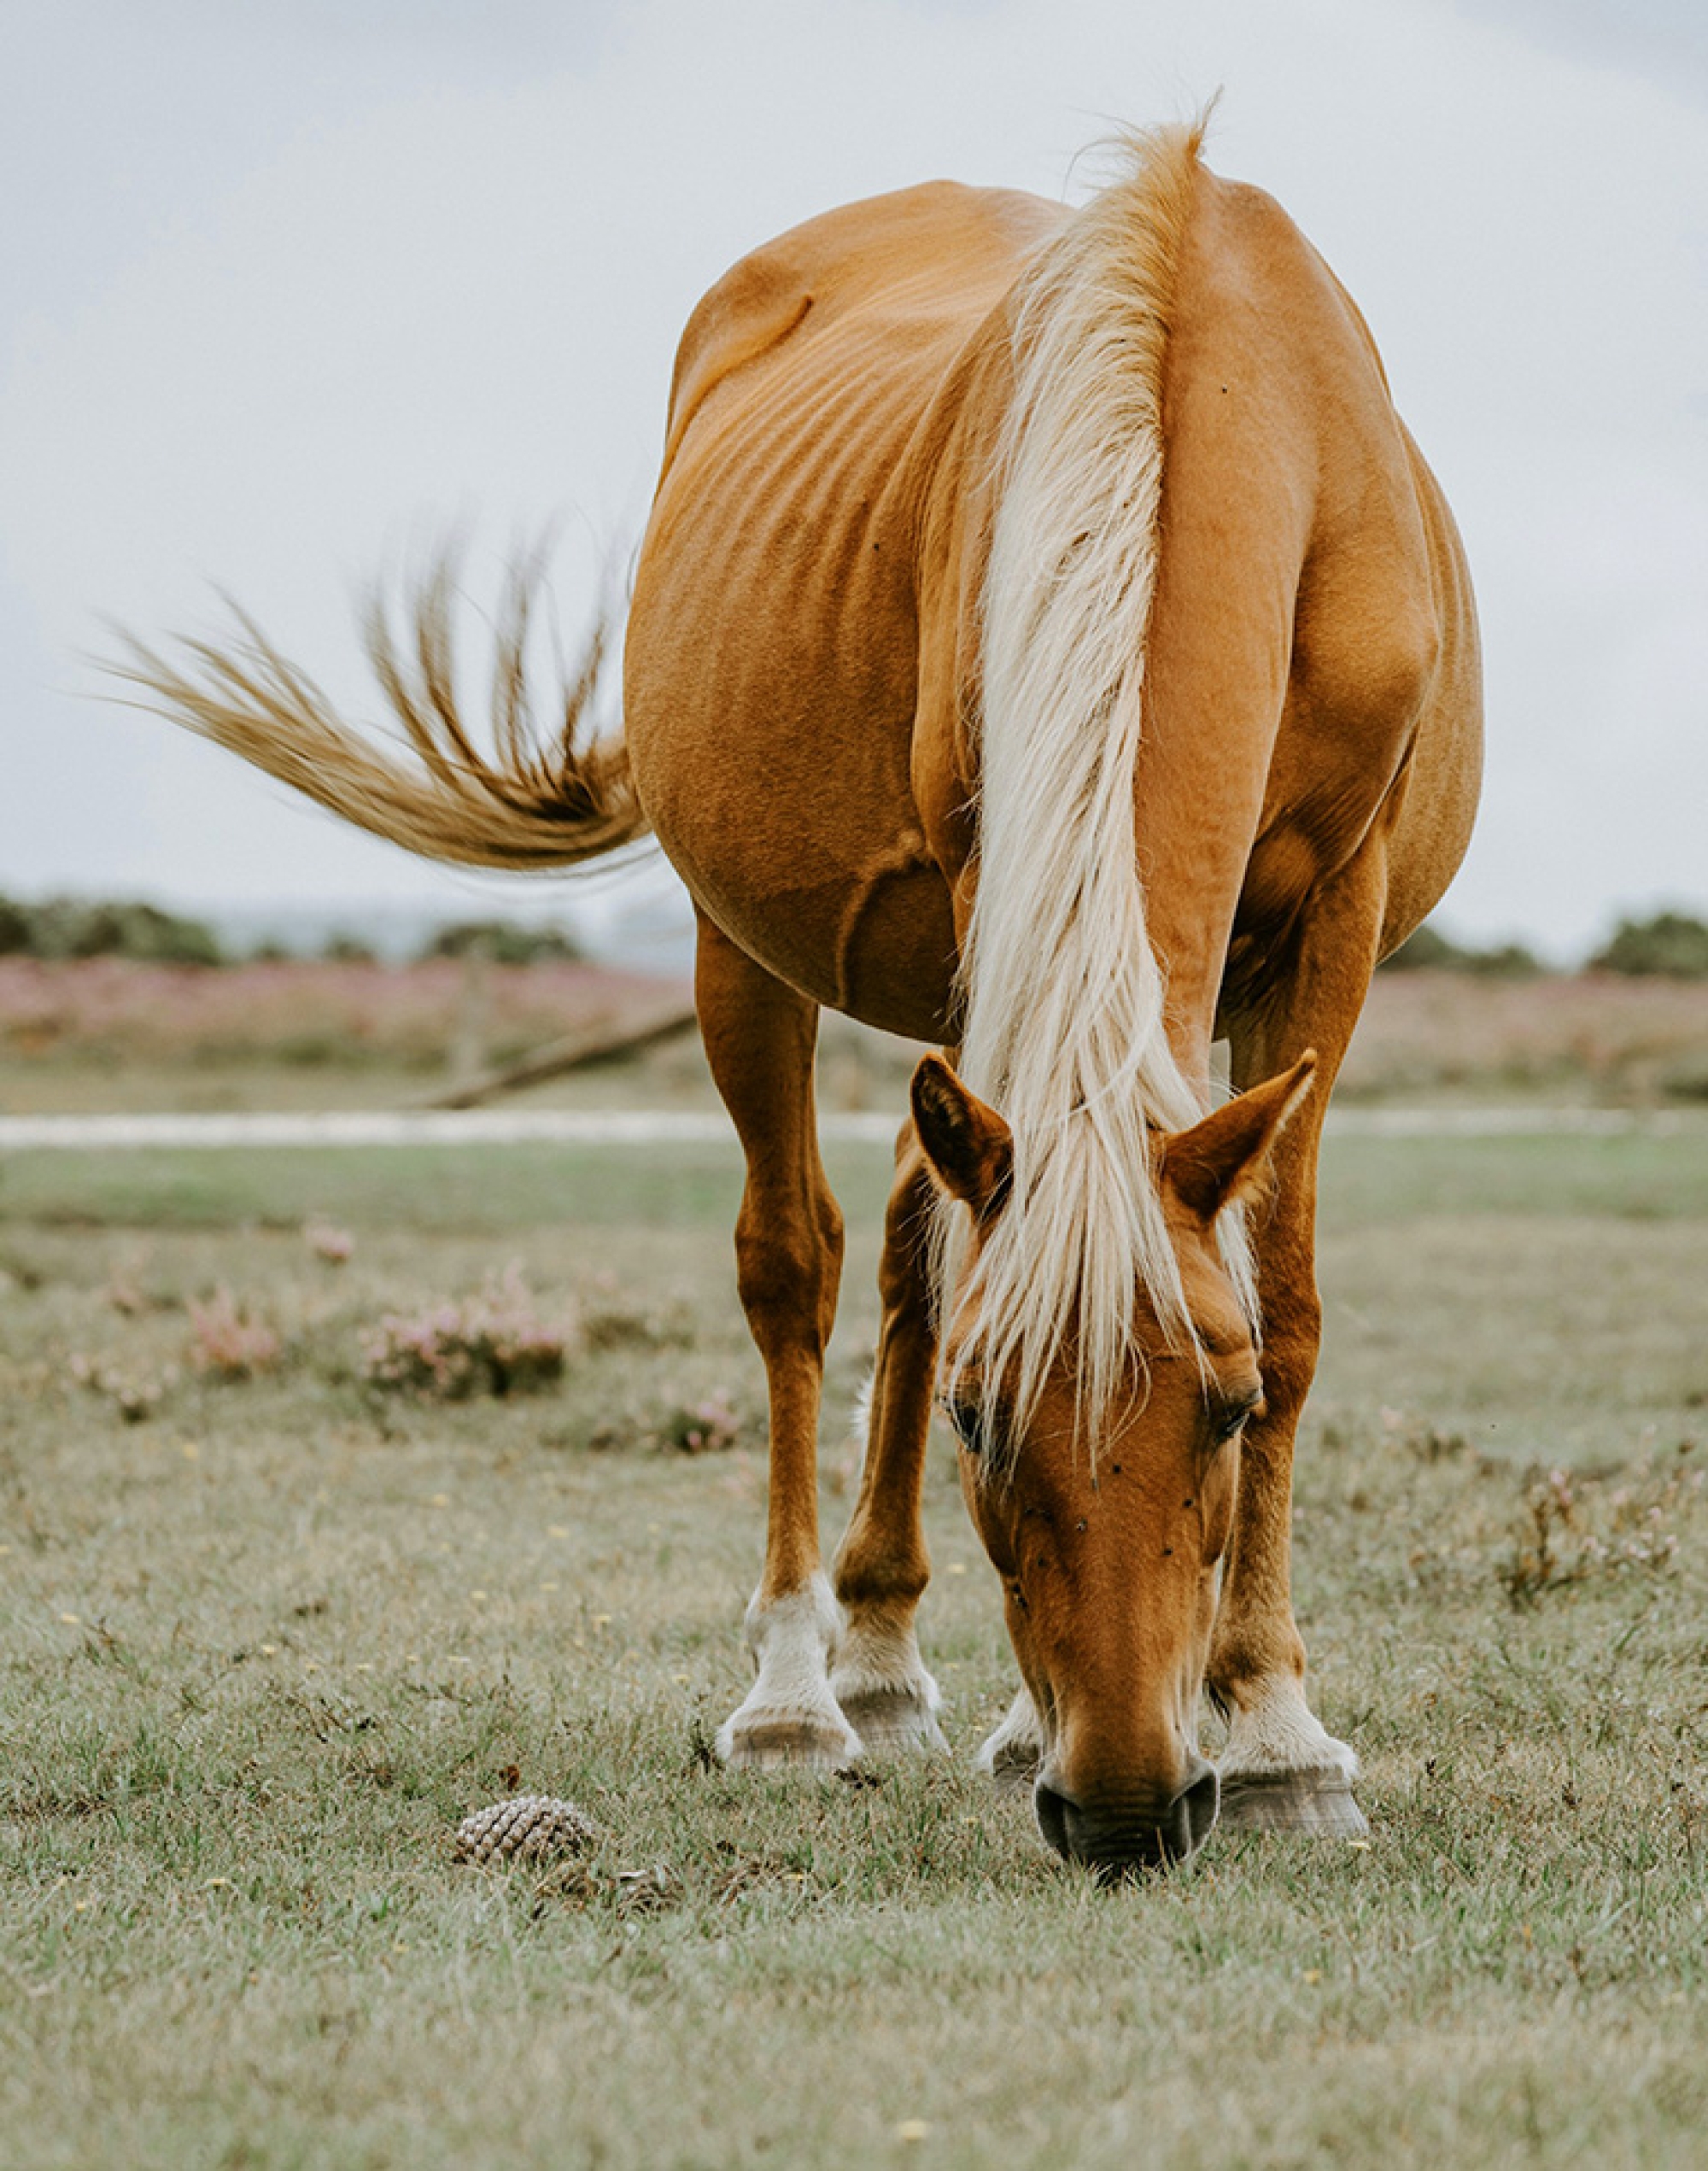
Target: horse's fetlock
(893, 1584)
(1242, 1676)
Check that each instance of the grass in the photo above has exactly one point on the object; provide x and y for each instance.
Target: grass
(263, 1647)
(1367, 1182)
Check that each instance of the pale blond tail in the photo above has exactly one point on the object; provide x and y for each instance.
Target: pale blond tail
(529, 803)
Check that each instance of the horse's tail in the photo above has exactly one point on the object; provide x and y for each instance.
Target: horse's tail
(528, 805)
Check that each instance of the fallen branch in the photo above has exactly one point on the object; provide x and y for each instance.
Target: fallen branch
(613, 1033)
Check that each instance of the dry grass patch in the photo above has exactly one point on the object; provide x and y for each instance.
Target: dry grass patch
(263, 1647)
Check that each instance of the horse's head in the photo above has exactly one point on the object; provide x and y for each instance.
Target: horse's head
(1108, 1528)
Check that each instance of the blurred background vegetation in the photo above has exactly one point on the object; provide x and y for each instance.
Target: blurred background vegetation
(1668, 944)
(121, 1004)
(57, 928)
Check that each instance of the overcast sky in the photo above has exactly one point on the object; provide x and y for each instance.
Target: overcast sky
(289, 287)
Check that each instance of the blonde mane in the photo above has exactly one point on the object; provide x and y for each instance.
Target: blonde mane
(1061, 994)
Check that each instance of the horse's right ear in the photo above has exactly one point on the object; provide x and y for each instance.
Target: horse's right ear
(970, 1147)
(1222, 1160)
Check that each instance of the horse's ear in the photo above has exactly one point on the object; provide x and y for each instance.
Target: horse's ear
(1223, 1159)
(970, 1147)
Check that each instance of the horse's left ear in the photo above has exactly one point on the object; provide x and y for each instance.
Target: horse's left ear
(970, 1147)
(1222, 1160)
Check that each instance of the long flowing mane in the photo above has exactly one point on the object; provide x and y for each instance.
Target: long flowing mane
(1061, 994)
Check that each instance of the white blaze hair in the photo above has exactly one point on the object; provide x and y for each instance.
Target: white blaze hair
(1062, 997)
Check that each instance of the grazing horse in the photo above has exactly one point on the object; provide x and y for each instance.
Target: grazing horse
(1047, 642)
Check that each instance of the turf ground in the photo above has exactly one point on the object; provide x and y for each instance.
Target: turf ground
(264, 1644)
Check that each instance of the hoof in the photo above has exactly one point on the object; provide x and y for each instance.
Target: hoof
(1011, 1767)
(1314, 1805)
(787, 1742)
(1011, 1756)
(892, 1722)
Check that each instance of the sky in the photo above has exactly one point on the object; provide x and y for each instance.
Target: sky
(291, 290)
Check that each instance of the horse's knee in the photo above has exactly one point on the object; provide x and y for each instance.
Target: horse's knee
(773, 1277)
(1292, 1340)
(786, 1271)
(904, 1262)
(828, 1215)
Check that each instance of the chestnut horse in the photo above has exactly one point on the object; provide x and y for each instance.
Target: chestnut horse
(1048, 642)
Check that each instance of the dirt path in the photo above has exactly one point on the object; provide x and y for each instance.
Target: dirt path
(660, 1126)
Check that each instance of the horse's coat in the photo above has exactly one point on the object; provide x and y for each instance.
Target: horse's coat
(1047, 640)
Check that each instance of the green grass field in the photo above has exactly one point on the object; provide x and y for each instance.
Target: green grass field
(265, 1645)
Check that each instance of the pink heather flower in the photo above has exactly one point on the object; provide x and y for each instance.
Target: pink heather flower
(328, 1241)
(495, 1342)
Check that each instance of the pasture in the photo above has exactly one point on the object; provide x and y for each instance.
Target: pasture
(268, 1639)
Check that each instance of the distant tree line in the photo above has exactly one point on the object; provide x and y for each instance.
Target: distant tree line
(1430, 950)
(69, 926)
(1670, 946)
(1672, 943)
(505, 943)
(62, 928)
(1673, 946)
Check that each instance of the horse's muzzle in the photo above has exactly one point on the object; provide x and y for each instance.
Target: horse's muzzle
(1117, 1842)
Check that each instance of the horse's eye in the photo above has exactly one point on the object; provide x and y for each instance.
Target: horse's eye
(1230, 1418)
(966, 1424)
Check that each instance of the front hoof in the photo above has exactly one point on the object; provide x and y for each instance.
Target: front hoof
(776, 1740)
(894, 1722)
(1011, 1756)
(1312, 1805)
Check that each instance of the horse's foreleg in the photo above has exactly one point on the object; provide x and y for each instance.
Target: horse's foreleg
(1282, 1768)
(881, 1566)
(759, 1039)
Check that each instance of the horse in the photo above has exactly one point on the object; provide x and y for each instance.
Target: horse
(1047, 642)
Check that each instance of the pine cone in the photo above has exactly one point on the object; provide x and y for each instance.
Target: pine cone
(526, 1828)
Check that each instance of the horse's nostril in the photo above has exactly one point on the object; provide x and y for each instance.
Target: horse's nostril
(1199, 1804)
(1051, 1811)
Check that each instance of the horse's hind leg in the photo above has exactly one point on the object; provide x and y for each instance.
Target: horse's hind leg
(882, 1564)
(759, 1039)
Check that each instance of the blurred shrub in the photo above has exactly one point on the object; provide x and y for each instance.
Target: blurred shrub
(136, 1392)
(227, 1340)
(1672, 946)
(498, 1342)
(69, 926)
(1686, 1079)
(1429, 948)
(705, 1427)
(505, 943)
(1578, 1526)
(344, 949)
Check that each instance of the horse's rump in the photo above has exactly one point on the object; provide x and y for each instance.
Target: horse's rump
(778, 601)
